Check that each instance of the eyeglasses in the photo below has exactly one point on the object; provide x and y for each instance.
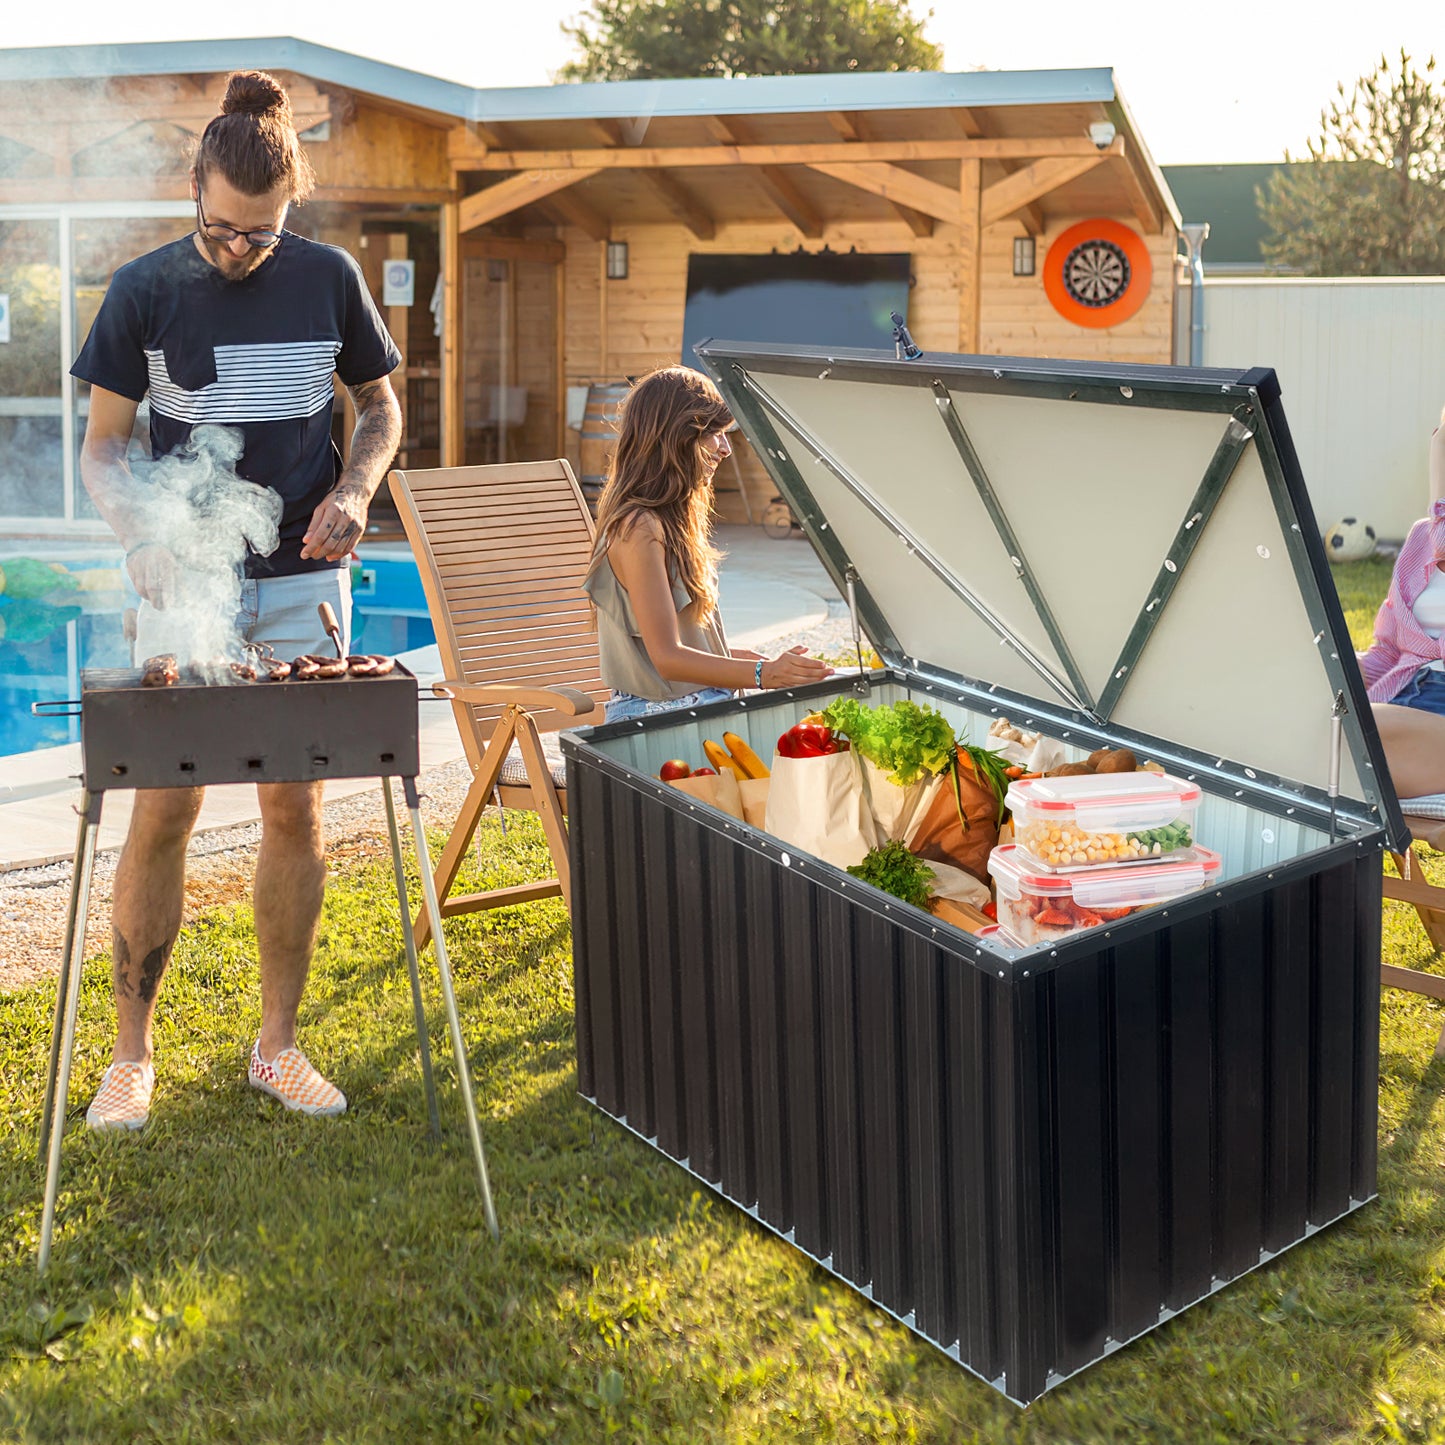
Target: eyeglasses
(260, 240)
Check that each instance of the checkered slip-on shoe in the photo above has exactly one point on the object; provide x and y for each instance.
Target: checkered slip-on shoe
(123, 1100)
(290, 1078)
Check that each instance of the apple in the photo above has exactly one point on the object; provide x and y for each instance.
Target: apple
(673, 769)
(704, 772)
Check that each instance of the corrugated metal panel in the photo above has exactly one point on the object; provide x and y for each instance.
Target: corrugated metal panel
(1027, 1170)
(1362, 373)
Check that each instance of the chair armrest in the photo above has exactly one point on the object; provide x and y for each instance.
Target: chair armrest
(569, 700)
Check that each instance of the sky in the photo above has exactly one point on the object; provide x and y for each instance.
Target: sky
(1247, 87)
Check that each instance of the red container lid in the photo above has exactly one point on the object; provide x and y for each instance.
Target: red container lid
(1123, 885)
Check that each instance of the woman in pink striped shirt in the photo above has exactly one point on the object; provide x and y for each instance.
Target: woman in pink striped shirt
(1404, 668)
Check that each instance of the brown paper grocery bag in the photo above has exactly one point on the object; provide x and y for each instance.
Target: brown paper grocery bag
(718, 790)
(818, 805)
(754, 795)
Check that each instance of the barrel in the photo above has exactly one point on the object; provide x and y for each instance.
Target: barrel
(599, 436)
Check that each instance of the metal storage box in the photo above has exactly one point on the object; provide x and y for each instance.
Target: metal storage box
(1028, 1156)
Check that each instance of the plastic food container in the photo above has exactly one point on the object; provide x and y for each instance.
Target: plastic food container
(1037, 906)
(1088, 820)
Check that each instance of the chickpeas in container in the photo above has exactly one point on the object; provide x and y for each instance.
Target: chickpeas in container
(1092, 821)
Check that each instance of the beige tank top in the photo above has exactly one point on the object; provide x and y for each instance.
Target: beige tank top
(626, 667)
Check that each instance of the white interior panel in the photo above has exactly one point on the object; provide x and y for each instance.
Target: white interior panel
(1096, 495)
(1232, 668)
(893, 441)
(929, 618)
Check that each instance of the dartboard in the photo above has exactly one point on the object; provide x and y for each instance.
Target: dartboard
(1096, 273)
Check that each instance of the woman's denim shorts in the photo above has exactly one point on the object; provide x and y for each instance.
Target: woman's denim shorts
(1426, 691)
(622, 706)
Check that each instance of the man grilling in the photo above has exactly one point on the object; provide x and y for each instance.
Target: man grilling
(242, 325)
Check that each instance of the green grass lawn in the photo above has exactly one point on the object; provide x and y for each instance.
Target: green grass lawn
(238, 1274)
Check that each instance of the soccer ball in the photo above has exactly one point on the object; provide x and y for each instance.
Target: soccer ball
(1349, 540)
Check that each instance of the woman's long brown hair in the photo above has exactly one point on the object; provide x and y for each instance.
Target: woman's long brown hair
(658, 468)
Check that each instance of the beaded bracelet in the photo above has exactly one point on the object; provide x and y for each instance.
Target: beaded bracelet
(758, 673)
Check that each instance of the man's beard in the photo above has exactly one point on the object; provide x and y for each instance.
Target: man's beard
(232, 267)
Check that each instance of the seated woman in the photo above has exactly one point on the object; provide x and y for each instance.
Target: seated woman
(653, 577)
(1404, 668)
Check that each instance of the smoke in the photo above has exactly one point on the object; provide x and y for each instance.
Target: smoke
(193, 504)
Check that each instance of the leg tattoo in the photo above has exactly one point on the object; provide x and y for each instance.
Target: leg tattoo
(123, 986)
(151, 969)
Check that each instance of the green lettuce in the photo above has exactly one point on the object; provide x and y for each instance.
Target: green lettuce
(908, 740)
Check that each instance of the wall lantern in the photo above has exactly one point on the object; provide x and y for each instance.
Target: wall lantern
(617, 260)
(1023, 255)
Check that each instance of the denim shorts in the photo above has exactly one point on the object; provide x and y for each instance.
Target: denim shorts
(280, 611)
(1426, 691)
(622, 706)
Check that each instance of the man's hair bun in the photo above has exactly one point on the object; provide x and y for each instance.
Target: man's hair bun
(253, 92)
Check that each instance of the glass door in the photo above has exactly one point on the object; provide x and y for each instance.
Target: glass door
(32, 466)
(99, 247)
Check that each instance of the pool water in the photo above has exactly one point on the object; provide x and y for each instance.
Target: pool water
(47, 635)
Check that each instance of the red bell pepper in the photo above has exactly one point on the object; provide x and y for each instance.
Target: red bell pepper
(809, 740)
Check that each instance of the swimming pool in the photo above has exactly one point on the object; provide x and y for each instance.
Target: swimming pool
(48, 633)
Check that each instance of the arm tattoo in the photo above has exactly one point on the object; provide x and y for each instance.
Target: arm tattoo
(377, 434)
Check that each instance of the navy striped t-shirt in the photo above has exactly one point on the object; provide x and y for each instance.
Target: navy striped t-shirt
(257, 354)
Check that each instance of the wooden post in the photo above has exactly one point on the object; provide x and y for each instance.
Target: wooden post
(451, 385)
(398, 322)
(970, 248)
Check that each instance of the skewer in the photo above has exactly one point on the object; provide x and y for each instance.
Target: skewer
(333, 628)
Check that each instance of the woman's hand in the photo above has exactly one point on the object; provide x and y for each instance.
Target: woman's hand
(794, 668)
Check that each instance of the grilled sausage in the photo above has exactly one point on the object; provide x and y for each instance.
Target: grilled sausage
(305, 667)
(383, 664)
(330, 666)
(160, 671)
(275, 669)
(361, 664)
(243, 672)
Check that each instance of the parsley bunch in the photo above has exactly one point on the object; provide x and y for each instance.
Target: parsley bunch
(906, 739)
(895, 870)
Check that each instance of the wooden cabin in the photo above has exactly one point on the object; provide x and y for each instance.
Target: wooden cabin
(560, 237)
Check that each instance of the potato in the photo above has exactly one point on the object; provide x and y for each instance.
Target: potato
(1119, 760)
(1098, 755)
(1069, 770)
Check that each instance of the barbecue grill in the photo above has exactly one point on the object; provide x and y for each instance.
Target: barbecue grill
(196, 732)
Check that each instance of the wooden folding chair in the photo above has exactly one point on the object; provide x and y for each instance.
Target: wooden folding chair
(503, 550)
(1429, 902)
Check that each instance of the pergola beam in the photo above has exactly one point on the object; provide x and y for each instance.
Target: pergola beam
(1149, 216)
(920, 224)
(574, 211)
(466, 155)
(897, 185)
(512, 194)
(1031, 184)
(786, 196)
(682, 205)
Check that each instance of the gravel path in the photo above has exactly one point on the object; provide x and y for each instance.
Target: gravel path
(34, 901)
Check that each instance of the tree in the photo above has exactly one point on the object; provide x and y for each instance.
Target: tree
(1371, 199)
(662, 39)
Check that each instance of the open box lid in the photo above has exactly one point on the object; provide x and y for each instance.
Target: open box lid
(1129, 546)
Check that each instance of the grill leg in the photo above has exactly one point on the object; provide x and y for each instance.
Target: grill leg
(459, 1048)
(62, 1043)
(60, 991)
(411, 965)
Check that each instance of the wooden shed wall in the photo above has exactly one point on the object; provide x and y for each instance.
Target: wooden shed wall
(615, 329)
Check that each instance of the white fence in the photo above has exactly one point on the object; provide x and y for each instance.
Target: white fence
(1361, 364)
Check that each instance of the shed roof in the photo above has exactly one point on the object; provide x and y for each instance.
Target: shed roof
(616, 99)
